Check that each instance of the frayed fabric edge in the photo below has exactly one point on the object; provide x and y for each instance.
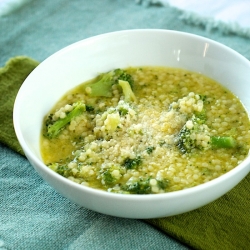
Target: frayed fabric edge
(209, 23)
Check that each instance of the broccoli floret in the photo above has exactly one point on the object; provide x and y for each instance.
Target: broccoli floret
(111, 175)
(90, 108)
(143, 185)
(122, 111)
(195, 134)
(186, 140)
(53, 166)
(124, 76)
(129, 163)
(63, 169)
(108, 178)
(129, 95)
(203, 98)
(150, 149)
(163, 184)
(162, 143)
(137, 186)
(55, 127)
(103, 84)
(202, 116)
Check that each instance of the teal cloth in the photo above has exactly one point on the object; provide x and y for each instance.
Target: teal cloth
(32, 214)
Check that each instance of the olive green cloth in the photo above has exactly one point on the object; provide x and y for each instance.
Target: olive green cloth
(222, 224)
(11, 79)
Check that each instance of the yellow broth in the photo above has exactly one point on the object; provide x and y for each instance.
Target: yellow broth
(92, 152)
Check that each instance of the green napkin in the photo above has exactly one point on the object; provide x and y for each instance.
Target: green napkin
(222, 224)
(11, 79)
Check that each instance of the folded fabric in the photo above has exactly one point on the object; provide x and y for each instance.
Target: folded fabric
(222, 224)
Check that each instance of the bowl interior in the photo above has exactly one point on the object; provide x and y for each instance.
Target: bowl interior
(85, 59)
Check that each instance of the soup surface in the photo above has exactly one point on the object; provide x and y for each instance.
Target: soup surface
(153, 130)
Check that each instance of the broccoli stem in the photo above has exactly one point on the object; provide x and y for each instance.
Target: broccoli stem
(127, 91)
(54, 129)
(223, 142)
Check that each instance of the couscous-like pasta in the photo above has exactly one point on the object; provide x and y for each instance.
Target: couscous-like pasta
(167, 130)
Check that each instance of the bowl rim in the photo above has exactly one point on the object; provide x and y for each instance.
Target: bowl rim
(143, 30)
(133, 197)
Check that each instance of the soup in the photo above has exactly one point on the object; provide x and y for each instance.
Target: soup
(149, 130)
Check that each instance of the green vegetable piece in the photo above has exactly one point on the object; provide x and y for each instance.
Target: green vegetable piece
(163, 184)
(89, 108)
(108, 178)
(122, 111)
(127, 91)
(129, 163)
(161, 143)
(103, 84)
(103, 87)
(150, 149)
(63, 170)
(223, 142)
(186, 139)
(111, 175)
(55, 128)
(126, 77)
(53, 166)
(140, 186)
(201, 116)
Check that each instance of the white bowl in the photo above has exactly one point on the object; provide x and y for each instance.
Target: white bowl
(81, 61)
